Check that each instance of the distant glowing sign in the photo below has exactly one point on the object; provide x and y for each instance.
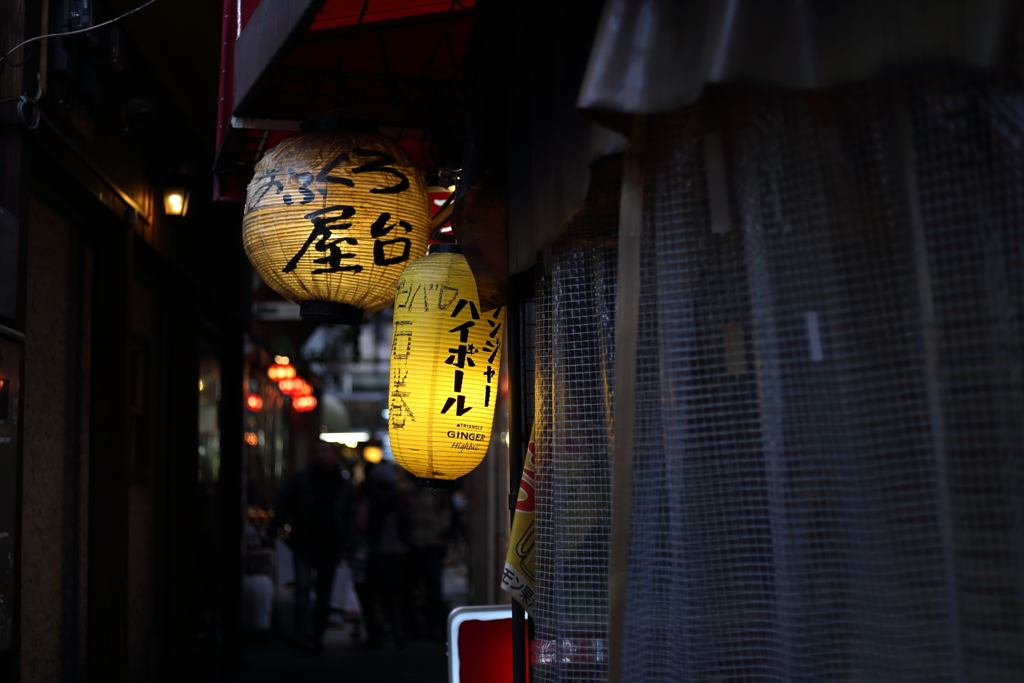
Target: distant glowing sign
(281, 371)
(304, 404)
(254, 402)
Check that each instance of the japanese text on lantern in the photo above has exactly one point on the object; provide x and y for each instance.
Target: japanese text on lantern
(401, 347)
(463, 350)
(461, 356)
(330, 225)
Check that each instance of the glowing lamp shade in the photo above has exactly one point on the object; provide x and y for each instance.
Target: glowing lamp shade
(278, 372)
(445, 360)
(331, 221)
(304, 404)
(175, 201)
(373, 454)
(254, 402)
(295, 386)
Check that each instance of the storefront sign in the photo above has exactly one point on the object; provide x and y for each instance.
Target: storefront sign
(480, 644)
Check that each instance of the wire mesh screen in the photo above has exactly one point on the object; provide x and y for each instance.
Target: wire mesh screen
(829, 454)
(575, 328)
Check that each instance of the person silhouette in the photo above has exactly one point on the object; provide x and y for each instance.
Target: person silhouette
(317, 504)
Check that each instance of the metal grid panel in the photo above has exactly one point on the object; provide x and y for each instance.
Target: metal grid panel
(575, 328)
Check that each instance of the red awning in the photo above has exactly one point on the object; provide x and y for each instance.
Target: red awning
(397, 63)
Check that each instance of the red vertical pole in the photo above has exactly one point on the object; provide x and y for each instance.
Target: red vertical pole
(228, 31)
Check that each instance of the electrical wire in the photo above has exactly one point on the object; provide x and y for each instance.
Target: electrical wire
(28, 55)
(4, 57)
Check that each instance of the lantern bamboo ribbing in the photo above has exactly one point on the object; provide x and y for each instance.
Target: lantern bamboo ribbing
(445, 360)
(332, 220)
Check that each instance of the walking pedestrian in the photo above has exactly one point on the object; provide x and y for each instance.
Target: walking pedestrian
(317, 505)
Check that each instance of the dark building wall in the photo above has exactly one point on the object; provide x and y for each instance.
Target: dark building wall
(110, 498)
(54, 449)
(144, 464)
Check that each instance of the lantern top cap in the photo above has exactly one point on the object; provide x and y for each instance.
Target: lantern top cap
(336, 124)
(444, 249)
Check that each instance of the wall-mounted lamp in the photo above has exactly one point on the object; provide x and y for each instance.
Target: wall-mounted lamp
(175, 201)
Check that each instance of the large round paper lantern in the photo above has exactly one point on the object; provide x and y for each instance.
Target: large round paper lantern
(445, 362)
(332, 219)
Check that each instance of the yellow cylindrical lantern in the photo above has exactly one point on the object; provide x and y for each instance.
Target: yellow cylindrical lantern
(332, 219)
(445, 361)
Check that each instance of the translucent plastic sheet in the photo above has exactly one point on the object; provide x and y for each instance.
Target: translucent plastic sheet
(656, 55)
(830, 403)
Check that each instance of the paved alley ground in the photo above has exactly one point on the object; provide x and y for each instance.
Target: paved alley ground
(342, 661)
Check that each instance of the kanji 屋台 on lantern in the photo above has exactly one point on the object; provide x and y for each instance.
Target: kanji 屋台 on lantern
(445, 362)
(333, 218)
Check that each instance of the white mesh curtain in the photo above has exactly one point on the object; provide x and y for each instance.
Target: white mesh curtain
(829, 461)
(829, 455)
